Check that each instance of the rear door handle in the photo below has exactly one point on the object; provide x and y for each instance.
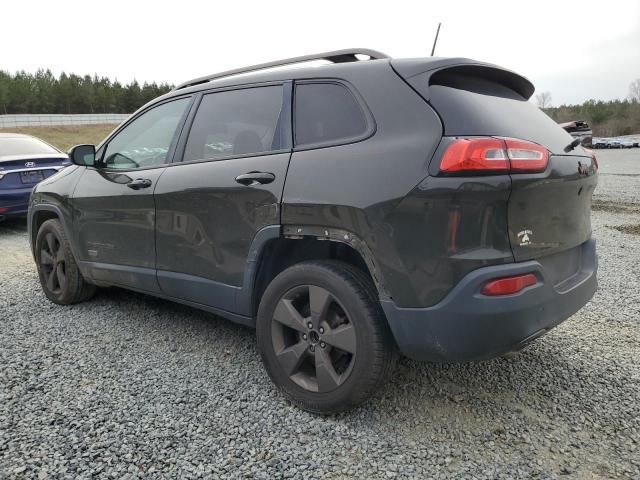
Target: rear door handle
(254, 178)
(139, 183)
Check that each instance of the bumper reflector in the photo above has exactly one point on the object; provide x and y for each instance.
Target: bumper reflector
(509, 285)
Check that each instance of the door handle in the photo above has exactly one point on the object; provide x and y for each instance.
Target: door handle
(139, 183)
(254, 178)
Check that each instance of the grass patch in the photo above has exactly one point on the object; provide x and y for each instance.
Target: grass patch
(66, 136)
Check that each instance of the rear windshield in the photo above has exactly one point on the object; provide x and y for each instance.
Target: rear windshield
(24, 146)
(478, 106)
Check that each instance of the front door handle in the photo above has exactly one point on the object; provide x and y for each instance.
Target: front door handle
(255, 178)
(139, 183)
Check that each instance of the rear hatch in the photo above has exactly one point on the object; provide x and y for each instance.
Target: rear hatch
(549, 206)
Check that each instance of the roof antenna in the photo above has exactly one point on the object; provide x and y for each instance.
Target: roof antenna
(435, 40)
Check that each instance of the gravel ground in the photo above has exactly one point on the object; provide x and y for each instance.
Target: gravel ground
(619, 175)
(128, 386)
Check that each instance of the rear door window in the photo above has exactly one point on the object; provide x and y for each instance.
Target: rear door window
(327, 113)
(237, 123)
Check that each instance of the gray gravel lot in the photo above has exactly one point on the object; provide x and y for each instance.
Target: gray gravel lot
(128, 386)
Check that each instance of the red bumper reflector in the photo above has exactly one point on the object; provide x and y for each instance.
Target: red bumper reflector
(2, 209)
(509, 285)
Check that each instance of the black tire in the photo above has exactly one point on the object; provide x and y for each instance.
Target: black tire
(59, 275)
(354, 302)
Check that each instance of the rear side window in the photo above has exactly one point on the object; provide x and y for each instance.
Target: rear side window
(237, 122)
(327, 113)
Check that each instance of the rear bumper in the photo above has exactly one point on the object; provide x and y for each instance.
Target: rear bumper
(467, 326)
(15, 201)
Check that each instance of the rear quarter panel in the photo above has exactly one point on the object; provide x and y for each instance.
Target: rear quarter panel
(355, 187)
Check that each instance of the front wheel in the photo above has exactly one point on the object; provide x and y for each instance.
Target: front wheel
(60, 277)
(323, 337)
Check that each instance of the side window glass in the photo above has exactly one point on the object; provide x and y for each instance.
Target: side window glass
(145, 142)
(327, 112)
(237, 122)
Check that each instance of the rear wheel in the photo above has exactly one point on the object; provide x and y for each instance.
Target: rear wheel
(323, 337)
(60, 277)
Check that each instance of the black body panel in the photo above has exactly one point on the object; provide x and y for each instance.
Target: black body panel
(207, 221)
(444, 229)
(114, 226)
(553, 208)
(54, 195)
(355, 187)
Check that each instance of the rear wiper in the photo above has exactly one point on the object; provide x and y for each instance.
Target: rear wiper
(572, 145)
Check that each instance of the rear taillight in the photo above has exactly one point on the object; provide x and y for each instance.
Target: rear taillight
(526, 156)
(473, 154)
(493, 155)
(509, 285)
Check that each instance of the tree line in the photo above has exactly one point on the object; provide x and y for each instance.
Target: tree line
(607, 119)
(43, 92)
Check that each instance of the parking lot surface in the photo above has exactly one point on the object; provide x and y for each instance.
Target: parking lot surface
(128, 386)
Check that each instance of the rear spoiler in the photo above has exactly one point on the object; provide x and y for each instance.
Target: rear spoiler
(420, 73)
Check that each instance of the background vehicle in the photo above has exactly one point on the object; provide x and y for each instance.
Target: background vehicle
(599, 143)
(346, 211)
(626, 143)
(24, 161)
(614, 143)
(579, 129)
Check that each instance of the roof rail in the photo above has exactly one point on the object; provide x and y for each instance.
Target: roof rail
(336, 56)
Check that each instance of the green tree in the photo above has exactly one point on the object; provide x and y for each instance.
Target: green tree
(42, 92)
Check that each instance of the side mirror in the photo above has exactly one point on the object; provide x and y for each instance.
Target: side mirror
(83, 155)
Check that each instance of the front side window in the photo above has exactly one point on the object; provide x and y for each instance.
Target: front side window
(327, 113)
(146, 141)
(237, 122)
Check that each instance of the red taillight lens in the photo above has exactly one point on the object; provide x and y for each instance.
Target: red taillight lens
(473, 154)
(509, 285)
(493, 155)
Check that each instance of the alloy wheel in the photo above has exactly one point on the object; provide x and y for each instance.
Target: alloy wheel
(53, 263)
(313, 338)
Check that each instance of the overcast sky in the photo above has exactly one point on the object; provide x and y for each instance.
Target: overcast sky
(574, 49)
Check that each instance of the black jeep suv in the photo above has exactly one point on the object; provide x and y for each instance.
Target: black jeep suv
(347, 211)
